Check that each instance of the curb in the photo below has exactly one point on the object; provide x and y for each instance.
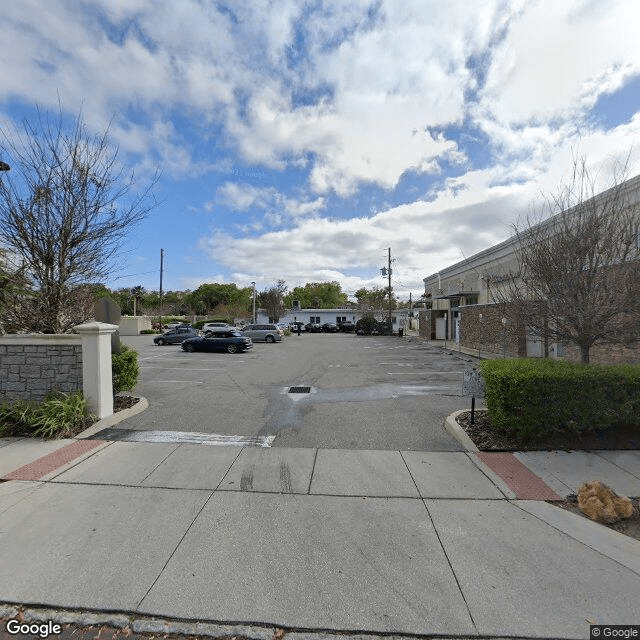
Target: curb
(114, 418)
(452, 426)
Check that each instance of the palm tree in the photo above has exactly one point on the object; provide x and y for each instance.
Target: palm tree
(137, 293)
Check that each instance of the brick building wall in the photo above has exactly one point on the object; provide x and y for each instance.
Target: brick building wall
(490, 334)
(425, 324)
(29, 368)
(608, 354)
(493, 338)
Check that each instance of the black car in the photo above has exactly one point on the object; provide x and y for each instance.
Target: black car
(230, 341)
(313, 327)
(176, 335)
(347, 326)
(330, 327)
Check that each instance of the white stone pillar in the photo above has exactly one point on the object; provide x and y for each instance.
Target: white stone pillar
(97, 385)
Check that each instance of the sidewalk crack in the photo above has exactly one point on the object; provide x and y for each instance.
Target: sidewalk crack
(164, 566)
(446, 555)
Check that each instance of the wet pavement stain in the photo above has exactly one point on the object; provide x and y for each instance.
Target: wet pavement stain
(246, 481)
(285, 478)
(286, 411)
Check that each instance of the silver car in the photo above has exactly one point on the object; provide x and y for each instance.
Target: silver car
(263, 332)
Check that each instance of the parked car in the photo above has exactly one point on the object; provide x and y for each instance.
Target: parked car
(294, 326)
(175, 336)
(208, 327)
(230, 341)
(330, 327)
(313, 327)
(347, 326)
(263, 332)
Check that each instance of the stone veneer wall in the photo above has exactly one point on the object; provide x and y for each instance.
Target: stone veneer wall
(31, 366)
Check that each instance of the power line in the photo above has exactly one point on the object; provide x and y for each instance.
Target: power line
(130, 275)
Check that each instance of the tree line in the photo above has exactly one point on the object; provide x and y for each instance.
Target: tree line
(228, 300)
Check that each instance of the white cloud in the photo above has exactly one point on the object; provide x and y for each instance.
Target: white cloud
(278, 208)
(558, 57)
(424, 236)
(347, 92)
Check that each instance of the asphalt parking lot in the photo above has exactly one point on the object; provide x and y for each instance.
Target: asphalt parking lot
(357, 392)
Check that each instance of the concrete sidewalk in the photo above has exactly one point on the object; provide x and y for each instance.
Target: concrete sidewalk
(318, 540)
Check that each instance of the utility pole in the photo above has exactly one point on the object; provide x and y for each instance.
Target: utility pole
(386, 271)
(410, 312)
(161, 260)
(390, 301)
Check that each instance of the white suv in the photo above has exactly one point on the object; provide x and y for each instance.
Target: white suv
(212, 327)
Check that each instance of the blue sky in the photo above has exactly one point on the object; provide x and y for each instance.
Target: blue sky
(299, 140)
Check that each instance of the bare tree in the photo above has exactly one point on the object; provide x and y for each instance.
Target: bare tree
(273, 300)
(65, 212)
(577, 275)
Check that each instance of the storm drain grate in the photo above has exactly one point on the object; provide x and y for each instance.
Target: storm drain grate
(299, 389)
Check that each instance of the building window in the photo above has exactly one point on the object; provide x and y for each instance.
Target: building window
(471, 300)
(314, 319)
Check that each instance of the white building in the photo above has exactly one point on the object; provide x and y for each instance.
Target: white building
(399, 317)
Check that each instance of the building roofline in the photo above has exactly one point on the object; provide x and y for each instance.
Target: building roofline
(508, 246)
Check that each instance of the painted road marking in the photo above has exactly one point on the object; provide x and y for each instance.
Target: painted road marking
(214, 439)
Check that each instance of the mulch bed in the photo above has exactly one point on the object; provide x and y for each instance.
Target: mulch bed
(629, 527)
(488, 439)
(18, 430)
(124, 402)
(621, 438)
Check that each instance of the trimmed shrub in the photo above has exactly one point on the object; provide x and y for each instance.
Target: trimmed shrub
(148, 332)
(367, 326)
(124, 369)
(531, 397)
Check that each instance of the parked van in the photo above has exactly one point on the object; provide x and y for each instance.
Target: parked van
(263, 332)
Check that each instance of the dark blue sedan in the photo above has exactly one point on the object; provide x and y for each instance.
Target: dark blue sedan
(230, 341)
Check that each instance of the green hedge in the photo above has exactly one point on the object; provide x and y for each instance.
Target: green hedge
(531, 397)
(124, 369)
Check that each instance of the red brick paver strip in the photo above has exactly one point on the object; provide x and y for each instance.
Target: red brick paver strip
(519, 478)
(52, 461)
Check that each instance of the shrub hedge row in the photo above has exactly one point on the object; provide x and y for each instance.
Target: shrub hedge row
(531, 397)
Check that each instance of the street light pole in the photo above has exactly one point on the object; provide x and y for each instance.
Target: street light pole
(161, 268)
(253, 316)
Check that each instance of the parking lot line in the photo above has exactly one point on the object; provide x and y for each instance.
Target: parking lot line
(185, 368)
(172, 381)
